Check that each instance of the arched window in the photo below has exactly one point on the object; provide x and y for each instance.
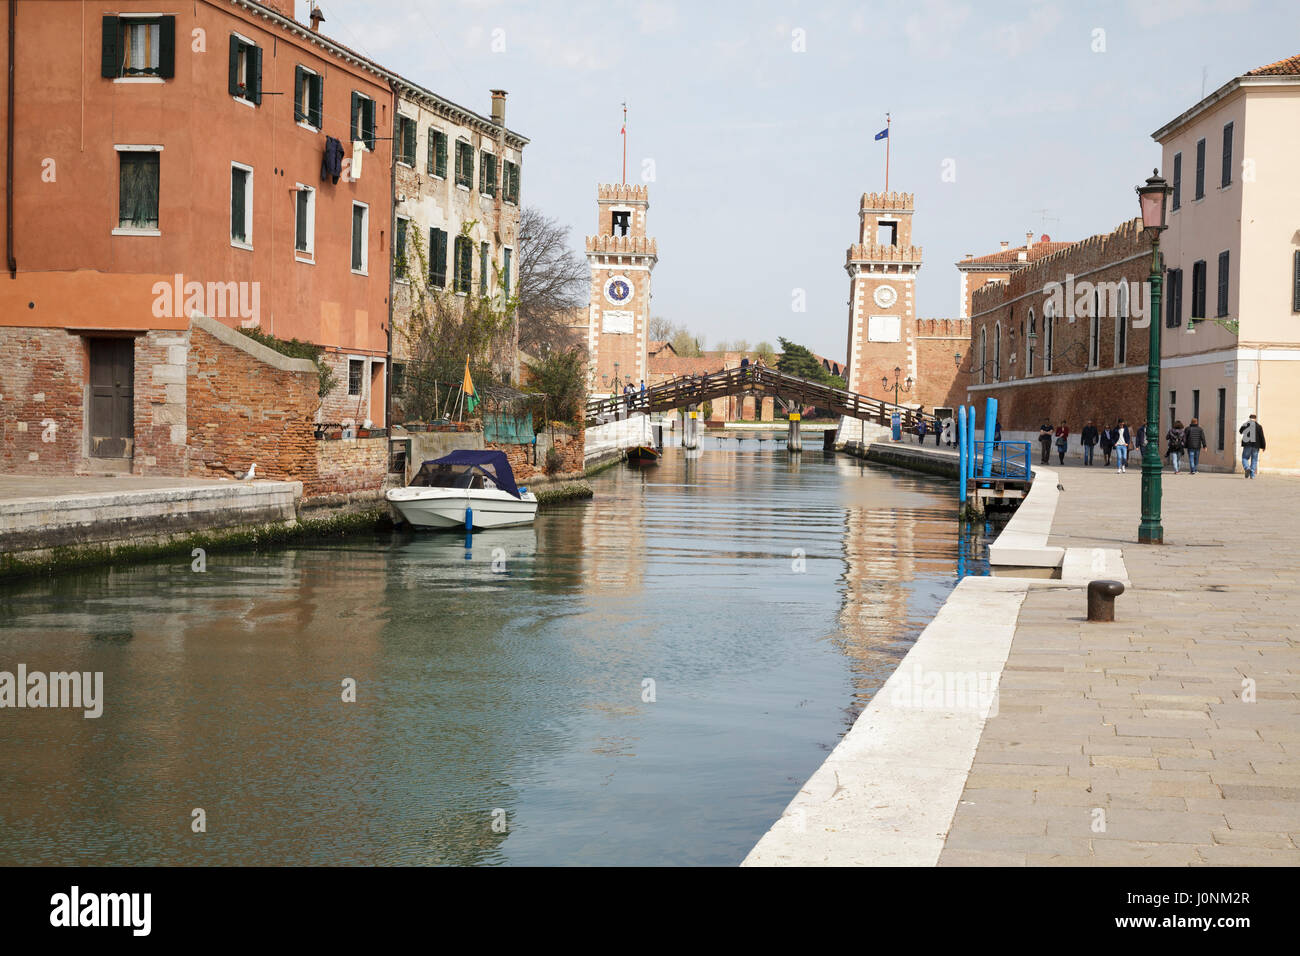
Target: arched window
(1049, 333)
(1094, 333)
(1030, 339)
(997, 352)
(984, 352)
(1121, 324)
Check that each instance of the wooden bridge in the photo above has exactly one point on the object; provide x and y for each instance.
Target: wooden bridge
(791, 393)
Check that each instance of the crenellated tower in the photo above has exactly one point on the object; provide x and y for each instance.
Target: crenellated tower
(621, 257)
(882, 267)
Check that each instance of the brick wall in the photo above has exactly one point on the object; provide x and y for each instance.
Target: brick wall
(41, 401)
(161, 404)
(1076, 389)
(568, 442)
(241, 410)
(939, 380)
(341, 467)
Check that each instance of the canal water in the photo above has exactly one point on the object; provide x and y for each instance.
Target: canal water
(644, 678)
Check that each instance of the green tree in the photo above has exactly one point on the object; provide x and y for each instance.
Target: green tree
(561, 378)
(765, 351)
(685, 344)
(797, 360)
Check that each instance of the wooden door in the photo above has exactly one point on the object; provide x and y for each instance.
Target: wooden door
(112, 397)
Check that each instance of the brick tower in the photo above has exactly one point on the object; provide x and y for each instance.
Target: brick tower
(622, 257)
(882, 267)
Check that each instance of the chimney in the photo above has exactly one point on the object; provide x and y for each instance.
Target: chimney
(499, 107)
(1029, 240)
(1005, 245)
(317, 18)
(970, 255)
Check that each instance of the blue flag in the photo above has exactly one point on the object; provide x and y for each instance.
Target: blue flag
(883, 134)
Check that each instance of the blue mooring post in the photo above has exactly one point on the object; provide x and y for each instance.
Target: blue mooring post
(990, 420)
(961, 454)
(469, 519)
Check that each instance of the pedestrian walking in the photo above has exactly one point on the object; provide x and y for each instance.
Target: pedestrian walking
(1088, 439)
(1252, 443)
(920, 431)
(1140, 439)
(1106, 439)
(1195, 439)
(1123, 441)
(997, 429)
(1045, 440)
(1175, 440)
(1062, 441)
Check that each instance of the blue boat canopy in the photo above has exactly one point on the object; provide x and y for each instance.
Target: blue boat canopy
(494, 464)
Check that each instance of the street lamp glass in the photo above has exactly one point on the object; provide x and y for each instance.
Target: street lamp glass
(1152, 202)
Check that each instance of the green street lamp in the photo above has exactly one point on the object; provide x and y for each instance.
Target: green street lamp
(1152, 199)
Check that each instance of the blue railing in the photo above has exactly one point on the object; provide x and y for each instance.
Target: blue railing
(1006, 459)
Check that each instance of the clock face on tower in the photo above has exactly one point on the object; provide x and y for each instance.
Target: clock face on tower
(618, 289)
(885, 296)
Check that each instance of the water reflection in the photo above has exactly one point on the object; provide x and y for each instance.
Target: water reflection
(645, 677)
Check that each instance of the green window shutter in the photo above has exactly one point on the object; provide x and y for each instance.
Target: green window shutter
(1295, 283)
(490, 164)
(317, 84)
(256, 70)
(438, 258)
(399, 250)
(354, 131)
(483, 268)
(110, 61)
(441, 169)
(482, 173)
(300, 94)
(233, 85)
(167, 47)
(514, 184)
(428, 162)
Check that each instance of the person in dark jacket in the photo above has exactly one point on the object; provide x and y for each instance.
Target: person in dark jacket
(1088, 438)
(1252, 443)
(1045, 439)
(1140, 439)
(997, 429)
(1175, 442)
(1107, 441)
(1195, 439)
(1062, 441)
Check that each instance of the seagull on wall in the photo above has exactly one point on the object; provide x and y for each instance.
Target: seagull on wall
(248, 475)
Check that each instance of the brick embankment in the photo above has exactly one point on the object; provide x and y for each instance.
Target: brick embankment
(1171, 736)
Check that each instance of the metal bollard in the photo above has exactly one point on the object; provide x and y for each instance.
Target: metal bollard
(1101, 599)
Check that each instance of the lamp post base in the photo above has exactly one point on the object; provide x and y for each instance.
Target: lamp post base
(1151, 534)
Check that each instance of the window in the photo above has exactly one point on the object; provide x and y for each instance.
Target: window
(399, 249)
(1049, 332)
(505, 270)
(363, 120)
(1223, 285)
(360, 226)
(241, 205)
(137, 195)
(308, 96)
(887, 233)
(304, 220)
(406, 141)
(463, 264)
(1198, 289)
(1029, 345)
(1226, 177)
(487, 174)
(1196, 403)
(438, 258)
(398, 379)
(620, 223)
(356, 375)
(1223, 412)
(1178, 180)
(1295, 281)
(138, 46)
(1200, 169)
(483, 268)
(245, 77)
(510, 182)
(984, 351)
(997, 352)
(1174, 299)
(464, 164)
(1094, 333)
(1121, 324)
(437, 161)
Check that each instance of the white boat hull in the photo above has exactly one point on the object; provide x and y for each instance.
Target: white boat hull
(445, 507)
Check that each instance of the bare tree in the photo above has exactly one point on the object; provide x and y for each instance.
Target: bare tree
(661, 330)
(553, 281)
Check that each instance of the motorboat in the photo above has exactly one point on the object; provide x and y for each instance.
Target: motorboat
(468, 490)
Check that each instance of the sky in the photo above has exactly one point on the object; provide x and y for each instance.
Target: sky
(753, 124)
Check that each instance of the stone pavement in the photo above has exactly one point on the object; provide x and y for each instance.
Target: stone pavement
(1138, 742)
